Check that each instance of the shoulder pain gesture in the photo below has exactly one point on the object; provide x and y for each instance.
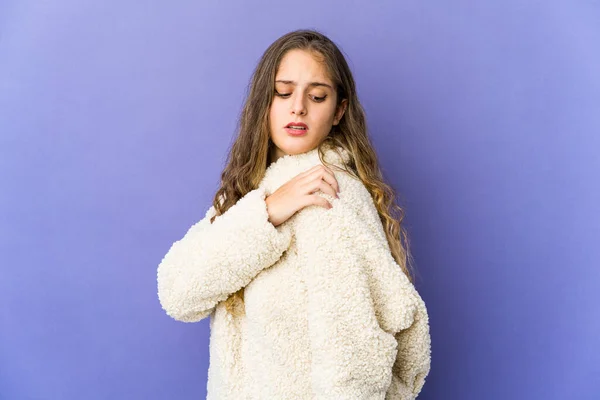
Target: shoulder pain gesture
(300, 192)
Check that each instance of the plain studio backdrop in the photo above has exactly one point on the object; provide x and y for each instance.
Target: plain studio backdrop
(115, 118)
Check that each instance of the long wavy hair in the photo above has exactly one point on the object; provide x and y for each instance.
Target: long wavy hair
(249, 155)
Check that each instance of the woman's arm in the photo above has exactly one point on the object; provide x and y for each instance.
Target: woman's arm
(212, 261)
(359, 303)
(413, 360)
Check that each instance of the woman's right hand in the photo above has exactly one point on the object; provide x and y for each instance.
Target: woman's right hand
(300, 192)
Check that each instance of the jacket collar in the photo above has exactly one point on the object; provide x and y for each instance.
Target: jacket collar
(290, 165)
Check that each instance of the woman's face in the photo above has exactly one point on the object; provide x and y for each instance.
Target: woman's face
(303, 94)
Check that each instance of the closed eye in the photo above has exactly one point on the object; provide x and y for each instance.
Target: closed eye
(286, 95)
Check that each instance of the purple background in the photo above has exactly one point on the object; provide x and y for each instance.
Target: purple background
(115, 118)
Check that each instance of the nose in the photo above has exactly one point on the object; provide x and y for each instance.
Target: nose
(298, 106)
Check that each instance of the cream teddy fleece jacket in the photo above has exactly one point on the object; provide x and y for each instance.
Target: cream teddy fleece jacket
(329, 314)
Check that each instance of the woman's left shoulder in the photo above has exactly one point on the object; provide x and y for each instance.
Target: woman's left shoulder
(352, 186)
(353, 209)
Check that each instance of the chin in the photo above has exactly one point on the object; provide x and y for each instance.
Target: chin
(297, 145)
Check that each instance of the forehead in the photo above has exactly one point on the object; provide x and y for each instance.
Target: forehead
(302, 66)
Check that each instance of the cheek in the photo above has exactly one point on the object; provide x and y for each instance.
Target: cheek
(325, 115)
(275, 111)
(272, 115)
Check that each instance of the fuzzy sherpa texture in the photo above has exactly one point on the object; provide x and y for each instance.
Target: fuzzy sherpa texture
(329, 314)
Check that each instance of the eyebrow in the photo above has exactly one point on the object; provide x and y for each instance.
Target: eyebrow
(310, 84)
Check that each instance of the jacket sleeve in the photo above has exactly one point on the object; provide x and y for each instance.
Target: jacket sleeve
(368, 327)
(212, 261)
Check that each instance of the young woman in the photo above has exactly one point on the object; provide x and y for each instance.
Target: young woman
(299, 262)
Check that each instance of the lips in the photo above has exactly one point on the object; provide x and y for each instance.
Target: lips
(297, 126)
(297, 129)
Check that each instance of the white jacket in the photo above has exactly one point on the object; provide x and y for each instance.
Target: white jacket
(329, 314)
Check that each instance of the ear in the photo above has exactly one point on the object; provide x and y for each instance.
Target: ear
(339, 113)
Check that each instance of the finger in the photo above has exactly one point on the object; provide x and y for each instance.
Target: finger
(319, 201)
(328, 176)
(324, 187)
